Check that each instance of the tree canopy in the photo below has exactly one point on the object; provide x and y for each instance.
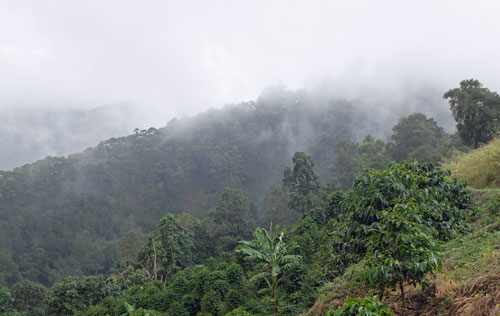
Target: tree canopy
(301, 183)
(419, 138)
(476, 110)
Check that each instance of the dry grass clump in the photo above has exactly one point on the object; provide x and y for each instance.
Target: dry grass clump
(445, 286)
(480, 167)
(481, 298)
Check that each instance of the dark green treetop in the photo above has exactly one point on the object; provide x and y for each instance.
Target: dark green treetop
(418, 138)
(168, 251)
(301, 183)
(476, 110)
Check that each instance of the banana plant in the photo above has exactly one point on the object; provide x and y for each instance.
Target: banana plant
(272, 256)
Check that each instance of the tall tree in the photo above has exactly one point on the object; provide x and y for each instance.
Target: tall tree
(476, 110)
(168, 251)
(419, 138)
(301, 183)
(229, 222)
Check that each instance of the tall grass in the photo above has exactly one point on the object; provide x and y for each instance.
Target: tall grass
(480, 167)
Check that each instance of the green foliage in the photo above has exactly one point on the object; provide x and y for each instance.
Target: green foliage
(395, 218)
(211, 303)
(29, 298)
(476, 110)
(240, 311)
(70, 215)
(132, 311)
(301, 183)
(228, 223)
(65, 216)
(418, 138)
(168, 251)
(74, 294)
(96, 310)
(276, 208)
(300, 288)
(94, 207)
(9, 270)
(271, 253)
(6, 301)
(305, 238)
(129, 245)
(368, 306)
(352, 158)
(400, 248)
(442, 203)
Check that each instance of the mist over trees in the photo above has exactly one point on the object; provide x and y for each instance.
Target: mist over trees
(33, 133)
(64, 215)
(162, 211)
(237, 158)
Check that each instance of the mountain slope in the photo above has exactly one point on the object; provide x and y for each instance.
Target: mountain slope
(63, 216)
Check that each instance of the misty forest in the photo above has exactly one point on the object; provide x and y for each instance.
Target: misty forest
(259, 208)
(171, 159)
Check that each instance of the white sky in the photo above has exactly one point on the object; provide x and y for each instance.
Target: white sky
(182, 57)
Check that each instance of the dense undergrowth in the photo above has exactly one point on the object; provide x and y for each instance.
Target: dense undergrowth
(468, 284)
(401, 238)
(386, 233)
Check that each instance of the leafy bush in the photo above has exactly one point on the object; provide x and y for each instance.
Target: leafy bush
(395, 218)
(6, 303)
(239, 312)
(401, 248)
(362, 307)
(443, 203)
(74, 294)
(132, 311)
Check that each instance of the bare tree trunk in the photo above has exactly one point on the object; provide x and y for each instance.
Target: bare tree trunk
(401, 287)
(155, 275)
(147, 271)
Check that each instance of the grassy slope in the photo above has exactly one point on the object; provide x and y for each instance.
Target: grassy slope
(480, 167)
(469, 283)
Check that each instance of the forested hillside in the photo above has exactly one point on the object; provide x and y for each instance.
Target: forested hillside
(168, 221)
(237, 158)
(64, 216)
(164, 210)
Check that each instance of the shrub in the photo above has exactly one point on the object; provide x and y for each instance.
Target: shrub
(362, 307)
(395, 218)
(239, 312)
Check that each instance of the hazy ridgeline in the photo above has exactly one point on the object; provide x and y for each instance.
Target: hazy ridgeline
(34, 130)
(33, 133)
(63, 216)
